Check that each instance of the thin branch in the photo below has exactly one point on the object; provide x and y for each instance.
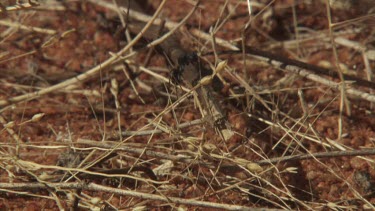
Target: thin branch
(157, 131)
(332, 154)
(188, 159)
(100, 188)
(306, 70)
(88, 74)
(27, 28)
(270, 57)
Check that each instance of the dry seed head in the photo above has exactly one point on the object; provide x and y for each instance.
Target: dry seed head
(221, 66)
(28, 165)
(241, 161)
(37, 117)
(114, 84)
(96, 93)
(113, 92)
(95, 200)
(9, 124)
(95, 208)
(182, 208)
(44, 176)
(332, 205)
(114, 87)
(292, 170)
(164, 169)
(206, 80)
(253, 167)
(191, 147)
(209, 147)
(191, 140)
(139, 208)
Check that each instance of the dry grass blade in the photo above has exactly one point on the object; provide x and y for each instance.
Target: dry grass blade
(19, 6)
(88, 74)
(28, 28)
(100, 188)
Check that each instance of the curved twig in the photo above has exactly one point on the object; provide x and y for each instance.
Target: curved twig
(88, 74)
(100, 188)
